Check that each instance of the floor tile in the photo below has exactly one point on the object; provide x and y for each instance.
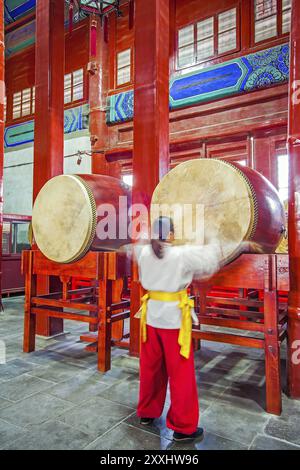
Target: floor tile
(14, 368)
(209, 442)
(268, 443)
(52, 435)
(57, 372)
(96, 416)
(18, 388)
(79, 388)
(35, 410)
(125, 437)
(233, 423)
(9, 433)
(286, 430)
(125, 392)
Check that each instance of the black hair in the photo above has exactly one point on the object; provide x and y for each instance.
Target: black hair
(161, 229)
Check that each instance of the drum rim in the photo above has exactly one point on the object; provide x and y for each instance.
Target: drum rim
(252, 197)
(85, 245)
(254, 209)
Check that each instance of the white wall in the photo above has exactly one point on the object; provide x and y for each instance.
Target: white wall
(18, 171)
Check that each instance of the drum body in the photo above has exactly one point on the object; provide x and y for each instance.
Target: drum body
(238, 204)
(73, 214)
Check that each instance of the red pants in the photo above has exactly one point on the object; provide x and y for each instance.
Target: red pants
(160, 361)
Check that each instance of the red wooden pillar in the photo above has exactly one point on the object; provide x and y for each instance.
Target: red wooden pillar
(294, 206)
(151, 116)
(49, 114)
(2, 99)
(98, 92)
(98, 86)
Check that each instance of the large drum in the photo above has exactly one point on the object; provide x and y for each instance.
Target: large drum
(72, 214)
(234, 203)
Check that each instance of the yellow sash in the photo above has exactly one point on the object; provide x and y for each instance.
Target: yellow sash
(185, 304)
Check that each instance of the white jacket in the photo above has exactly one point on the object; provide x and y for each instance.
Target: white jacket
(174, 272)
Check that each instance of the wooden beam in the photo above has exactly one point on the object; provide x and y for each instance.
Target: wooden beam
(64, 315)
(229, 323)
(246, 341)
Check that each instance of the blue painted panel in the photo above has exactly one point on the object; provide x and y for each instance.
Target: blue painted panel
(15, 9)
(75, 119)
(262, 69)
(205, 84)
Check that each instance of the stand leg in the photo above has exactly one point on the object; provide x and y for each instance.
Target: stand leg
(272, 348)
(104, 324)
(30, 291)
(117, 327)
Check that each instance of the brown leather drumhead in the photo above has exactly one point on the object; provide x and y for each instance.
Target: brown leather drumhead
(219, 197)
(64, 218)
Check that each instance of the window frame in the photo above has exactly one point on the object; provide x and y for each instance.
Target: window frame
(71, 103)
(22, 117)
(216, 55)
(279, 34)
(130, 82)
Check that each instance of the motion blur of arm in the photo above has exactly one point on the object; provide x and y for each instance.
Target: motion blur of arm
(203, 261)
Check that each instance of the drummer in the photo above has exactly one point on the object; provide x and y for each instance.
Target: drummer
(166, 315)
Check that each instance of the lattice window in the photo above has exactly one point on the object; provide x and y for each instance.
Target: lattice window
(272, 18)
(205, 39)
(286, 16)
(227, 31)
(74, 86)
(208, 38)
(186, 46)
(24, 103)
(124, 67)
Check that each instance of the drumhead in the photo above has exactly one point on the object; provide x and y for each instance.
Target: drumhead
(218, 195)
(64, 218)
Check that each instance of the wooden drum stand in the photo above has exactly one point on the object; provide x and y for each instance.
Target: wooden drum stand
(265, 313)
(106, 311)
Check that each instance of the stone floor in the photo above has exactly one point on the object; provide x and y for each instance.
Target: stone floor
(54, 398)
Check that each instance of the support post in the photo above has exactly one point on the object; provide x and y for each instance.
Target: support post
(98, 68)
(151, 117)
(104, 323)
(271, 336)
(49, 116)
(294, 206)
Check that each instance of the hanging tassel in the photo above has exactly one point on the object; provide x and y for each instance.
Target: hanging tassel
(71, 9)
(93, 45)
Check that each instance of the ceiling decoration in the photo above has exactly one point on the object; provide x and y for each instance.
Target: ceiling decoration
(22, 36)
(16, 9)
(92, 7)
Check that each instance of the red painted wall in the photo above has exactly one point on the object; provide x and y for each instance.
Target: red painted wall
(20, 68)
